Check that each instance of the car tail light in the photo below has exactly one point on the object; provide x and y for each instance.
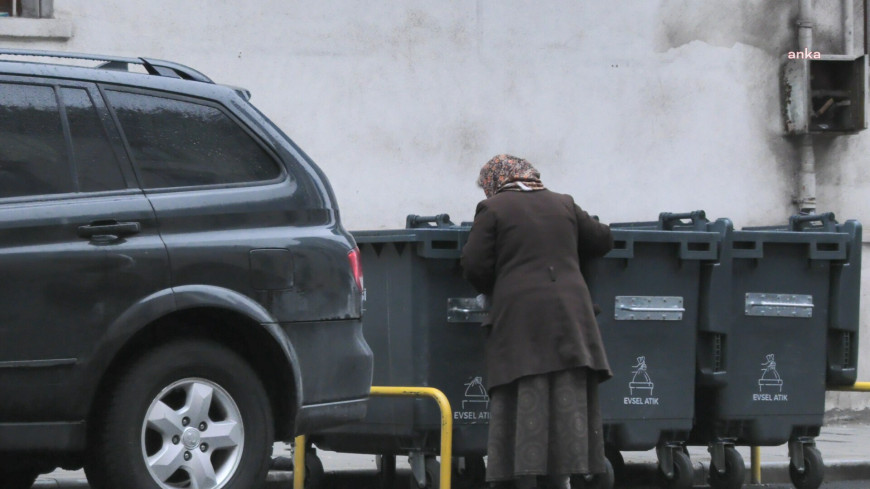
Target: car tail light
(356, 267)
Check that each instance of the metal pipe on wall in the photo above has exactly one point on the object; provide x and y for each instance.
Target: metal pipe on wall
(807, 176)
(805, 25)
(866, 23)
(806, 198)
(848, 26)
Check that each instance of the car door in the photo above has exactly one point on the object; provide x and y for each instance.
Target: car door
(78, 242)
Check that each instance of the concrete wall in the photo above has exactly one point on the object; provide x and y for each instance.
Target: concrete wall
(633, 107)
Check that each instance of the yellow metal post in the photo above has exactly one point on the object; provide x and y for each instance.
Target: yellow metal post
(857, 387)
(446, 432)
(299, 463)
(756, 465)
(446, 421)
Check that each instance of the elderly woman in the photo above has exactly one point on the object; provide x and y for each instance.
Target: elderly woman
(544, 355)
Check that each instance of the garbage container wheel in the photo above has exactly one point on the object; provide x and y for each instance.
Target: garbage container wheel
(814, 470)
(17, 479)
(596, 481)
(735, 471)
(433, 475)
(618, 464)
(313, 469)
(473, 476)
(386, 471)
(684, 473)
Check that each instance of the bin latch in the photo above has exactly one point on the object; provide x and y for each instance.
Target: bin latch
(466, 310)
(648, 308)
(779, 305)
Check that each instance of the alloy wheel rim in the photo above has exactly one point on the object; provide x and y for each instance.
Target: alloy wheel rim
(192, 436)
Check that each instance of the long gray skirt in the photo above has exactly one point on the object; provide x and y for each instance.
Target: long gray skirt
(548, 424)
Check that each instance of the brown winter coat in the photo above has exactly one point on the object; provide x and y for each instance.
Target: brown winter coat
(524, 251)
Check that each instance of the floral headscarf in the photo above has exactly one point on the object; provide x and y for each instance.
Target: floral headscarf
(506, 172)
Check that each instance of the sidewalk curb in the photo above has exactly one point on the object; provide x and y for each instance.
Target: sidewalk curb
(771, 472)
(836, 470)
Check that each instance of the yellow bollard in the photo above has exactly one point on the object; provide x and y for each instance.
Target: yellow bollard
(756, 465)
(299, 463)
(446, 432)
(446, 421)
(858, 387)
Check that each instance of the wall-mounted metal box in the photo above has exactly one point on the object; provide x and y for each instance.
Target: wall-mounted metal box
(826, 95)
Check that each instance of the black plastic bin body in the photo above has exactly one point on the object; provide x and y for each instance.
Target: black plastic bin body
(409, 276)
(779, 321)
(654, 269)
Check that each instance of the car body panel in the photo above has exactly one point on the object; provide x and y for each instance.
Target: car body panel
(272, 253)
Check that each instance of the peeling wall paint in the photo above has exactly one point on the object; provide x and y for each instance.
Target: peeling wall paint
(758, 23)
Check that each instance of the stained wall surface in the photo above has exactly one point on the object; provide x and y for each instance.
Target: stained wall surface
(632, 107)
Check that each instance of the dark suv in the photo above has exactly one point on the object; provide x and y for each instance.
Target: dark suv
(177, 288)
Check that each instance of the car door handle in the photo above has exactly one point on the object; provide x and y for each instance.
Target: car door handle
(109, 229)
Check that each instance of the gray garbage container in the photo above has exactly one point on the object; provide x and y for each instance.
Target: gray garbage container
(716, 336)
(412, 277)
(647, 290)
(779, 319)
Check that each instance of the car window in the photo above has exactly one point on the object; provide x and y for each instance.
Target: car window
(176, 143)
(33, 153)
(96, 166)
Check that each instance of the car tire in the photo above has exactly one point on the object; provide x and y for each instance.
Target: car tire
(189, 413)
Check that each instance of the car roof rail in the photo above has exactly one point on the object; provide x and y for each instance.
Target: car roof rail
(152, 66)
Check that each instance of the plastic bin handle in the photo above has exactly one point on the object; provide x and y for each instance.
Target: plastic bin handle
(827, 219)
(441, 220)
(668, 219)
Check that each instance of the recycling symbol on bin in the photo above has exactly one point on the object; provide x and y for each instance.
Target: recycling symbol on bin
(769, 376)
(641, 380)
(475, 393)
